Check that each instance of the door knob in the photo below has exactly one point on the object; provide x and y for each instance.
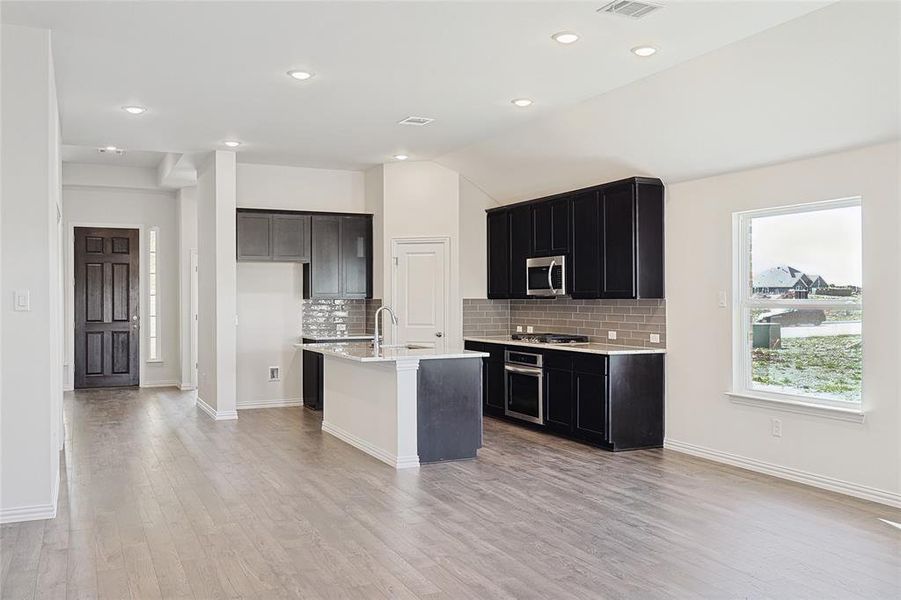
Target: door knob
(439, 334)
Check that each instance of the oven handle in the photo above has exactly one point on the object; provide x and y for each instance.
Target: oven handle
(550, 277)
(523, 370)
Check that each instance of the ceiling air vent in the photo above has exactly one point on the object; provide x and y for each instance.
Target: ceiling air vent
(417, 121)
(628, 8)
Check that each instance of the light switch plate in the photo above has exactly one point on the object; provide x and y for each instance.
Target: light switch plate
(721, 299)
(22, 300)
(655, 338)
(611, 335)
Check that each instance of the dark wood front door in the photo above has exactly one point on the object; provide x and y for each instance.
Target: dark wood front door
(107, 298)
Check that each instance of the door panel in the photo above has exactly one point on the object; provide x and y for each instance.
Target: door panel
(254, 240)
(325, 263)
(356, 240)
(585, 280)
(107, 307)
(618, 238)
(291, 238)
(420, 293)
(520, 249)
(498, 254)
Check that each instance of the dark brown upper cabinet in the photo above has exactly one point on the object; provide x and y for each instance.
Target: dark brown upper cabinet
(271, 237)
(341, 257)
(611, 234)
(499, 254)
(520, 249)
(585, 259)
(356, 257)
(254, 237)
(632, 241)
(550, 227)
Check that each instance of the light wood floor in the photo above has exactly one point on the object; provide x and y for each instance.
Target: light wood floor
(157, 501)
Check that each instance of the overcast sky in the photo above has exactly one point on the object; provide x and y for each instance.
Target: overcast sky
(824, 242)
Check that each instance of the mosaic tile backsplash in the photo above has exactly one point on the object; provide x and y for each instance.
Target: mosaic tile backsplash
(324, 317)
(633, 320)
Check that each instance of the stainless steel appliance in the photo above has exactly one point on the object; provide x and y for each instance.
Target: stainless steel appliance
(524, 386)
(546, 276)
(550, 338)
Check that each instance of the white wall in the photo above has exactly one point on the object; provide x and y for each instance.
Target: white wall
(269, 296)
(217, 282)
(31, 346)
(422, 199)
(861, 458)
(297, 188)
(473, 240)
(107, 196)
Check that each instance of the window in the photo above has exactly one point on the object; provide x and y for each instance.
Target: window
(153, 314)
(798, 304)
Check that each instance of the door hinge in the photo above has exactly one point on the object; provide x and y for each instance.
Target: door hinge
(394, 258)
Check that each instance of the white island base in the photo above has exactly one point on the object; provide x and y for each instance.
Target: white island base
(403, 405)
(372, 406)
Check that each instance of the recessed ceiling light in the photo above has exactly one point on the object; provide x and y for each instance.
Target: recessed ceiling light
(644, 51)
(300, 75)
(565, 37)
(401, 157)
(522, 102)
(232, 143)
(134, 110)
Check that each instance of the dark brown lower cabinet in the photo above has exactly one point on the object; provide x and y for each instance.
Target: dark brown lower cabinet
(614, 402)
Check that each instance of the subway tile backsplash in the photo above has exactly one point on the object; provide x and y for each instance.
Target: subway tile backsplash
(633, 320)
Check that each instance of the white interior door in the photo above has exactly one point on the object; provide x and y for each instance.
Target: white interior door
(420, 291)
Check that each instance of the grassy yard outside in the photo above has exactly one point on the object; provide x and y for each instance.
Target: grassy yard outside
(813, 365)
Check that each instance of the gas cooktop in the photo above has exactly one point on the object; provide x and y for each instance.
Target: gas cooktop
(550, 338)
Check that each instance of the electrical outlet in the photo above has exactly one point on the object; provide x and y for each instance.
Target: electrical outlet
(530, 329)
(273, 373)
(611, 335)
(519, 329)
(655, 338)
(777, 428)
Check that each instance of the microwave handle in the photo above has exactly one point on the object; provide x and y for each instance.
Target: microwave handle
(550, 277)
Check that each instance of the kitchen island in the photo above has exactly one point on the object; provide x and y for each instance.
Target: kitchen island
(403, 405)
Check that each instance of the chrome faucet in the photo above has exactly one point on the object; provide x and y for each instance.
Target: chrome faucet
(375, 338)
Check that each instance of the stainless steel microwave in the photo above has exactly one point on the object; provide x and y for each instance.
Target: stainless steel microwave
(546, 276)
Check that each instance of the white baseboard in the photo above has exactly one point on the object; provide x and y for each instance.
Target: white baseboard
(159, 384)
(398, 462)
(186, 387)
(38, 512)
(222, 415)
(272, 403)
(812, 479)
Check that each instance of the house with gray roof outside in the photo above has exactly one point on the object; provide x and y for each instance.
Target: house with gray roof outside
(784, 279)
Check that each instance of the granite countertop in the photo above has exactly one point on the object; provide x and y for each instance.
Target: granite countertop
(362, 352)
(321, 337)
(591, 348)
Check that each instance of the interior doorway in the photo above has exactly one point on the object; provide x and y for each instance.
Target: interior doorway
(420, 286)
(107, 307)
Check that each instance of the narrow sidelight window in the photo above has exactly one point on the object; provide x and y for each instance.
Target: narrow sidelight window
(153, 306)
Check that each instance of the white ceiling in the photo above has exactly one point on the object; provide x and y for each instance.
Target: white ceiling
(90, 155)
(826, 82)
(210, 71)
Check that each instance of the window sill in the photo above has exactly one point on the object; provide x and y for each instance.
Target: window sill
(854, 415)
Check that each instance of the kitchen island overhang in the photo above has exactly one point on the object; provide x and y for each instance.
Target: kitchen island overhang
(403, 406)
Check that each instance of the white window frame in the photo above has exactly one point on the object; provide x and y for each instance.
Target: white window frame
(153, 235)
(743, 303)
